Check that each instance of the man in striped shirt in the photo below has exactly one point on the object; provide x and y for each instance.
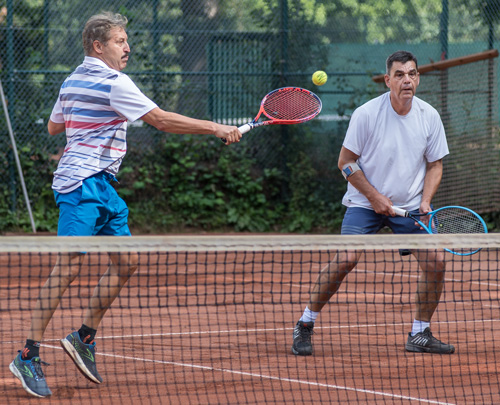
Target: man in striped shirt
(94, 105)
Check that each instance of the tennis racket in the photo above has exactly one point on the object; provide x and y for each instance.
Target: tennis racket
(447, 220)
(288, 105)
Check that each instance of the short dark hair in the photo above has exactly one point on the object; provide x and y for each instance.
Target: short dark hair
(400, 56)
(98, 27)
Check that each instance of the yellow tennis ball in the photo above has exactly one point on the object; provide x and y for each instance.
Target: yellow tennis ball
(319, 78)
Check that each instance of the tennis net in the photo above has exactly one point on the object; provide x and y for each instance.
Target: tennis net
(210, 320)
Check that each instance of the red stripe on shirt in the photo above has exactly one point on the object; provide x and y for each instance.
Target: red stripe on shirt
(91, 125)
(87, 145)
(118, 149)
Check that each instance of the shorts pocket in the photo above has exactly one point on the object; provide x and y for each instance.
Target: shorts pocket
(73, 198)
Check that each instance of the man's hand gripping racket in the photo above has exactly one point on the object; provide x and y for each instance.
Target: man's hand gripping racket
(449, 220)
(285, 106)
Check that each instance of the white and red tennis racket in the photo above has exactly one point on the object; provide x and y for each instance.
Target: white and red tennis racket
(285, 106)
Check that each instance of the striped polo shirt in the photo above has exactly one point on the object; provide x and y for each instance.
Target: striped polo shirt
(95, 102)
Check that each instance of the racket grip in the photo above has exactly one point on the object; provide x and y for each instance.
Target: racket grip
(243, 130)
(400, 212)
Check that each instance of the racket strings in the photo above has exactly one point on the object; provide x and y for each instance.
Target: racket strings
(291, 105)
(451, 221)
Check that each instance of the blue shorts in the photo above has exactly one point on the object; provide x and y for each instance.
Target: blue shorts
(362, 221)
(94, 208)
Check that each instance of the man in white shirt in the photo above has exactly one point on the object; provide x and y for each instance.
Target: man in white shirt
(94, 105)
(391, 156)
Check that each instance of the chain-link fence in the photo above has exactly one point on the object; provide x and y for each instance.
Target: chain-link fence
(215, 59)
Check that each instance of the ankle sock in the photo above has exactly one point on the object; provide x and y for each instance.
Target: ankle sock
(309, 316)
(419, 326)
(31, 349)
(87, 335)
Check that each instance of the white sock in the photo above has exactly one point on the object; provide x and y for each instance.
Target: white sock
(309, 316)
(419, 326)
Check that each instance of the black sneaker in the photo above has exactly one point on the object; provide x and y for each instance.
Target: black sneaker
(302, 345)
(424, 342)
(83, 356)
(31, 376)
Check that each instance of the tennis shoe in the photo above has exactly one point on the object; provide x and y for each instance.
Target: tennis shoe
(424, 342)
(302, 345)
(31, 375)
(83, 355)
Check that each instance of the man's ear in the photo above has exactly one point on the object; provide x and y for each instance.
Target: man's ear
(97, 47)
(387, 79)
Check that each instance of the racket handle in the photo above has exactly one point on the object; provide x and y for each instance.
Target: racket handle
(400, 212)
(243, 130)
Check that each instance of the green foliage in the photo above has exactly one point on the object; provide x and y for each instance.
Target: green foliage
(492, 220)
(191, 183)
(490, 10)
(194, 182)
(314, 197)
(38, 166)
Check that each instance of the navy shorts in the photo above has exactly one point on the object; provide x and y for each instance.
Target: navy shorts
(94, 208)
(361, 221)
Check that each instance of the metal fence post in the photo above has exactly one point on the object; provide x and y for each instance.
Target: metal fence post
(11, 97)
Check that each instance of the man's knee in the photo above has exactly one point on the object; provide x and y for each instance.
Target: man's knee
(126, 264)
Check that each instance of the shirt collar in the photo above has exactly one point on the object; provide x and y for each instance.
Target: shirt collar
(90, 60)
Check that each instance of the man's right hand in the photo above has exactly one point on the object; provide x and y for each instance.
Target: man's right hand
(229, 133)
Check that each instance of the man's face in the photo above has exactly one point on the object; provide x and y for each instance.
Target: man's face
(403, 80)
(115, 52)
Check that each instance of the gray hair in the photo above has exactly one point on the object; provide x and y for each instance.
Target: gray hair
(400, 56)
(98, 27)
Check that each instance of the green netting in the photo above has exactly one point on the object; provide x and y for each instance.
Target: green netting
(216, 59)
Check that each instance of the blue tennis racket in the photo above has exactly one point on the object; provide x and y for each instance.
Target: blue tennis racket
(449, 220)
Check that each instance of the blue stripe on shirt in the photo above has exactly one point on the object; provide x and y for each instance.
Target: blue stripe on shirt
(85, 112)
(108, 137)
(106, 88)
(85, 99)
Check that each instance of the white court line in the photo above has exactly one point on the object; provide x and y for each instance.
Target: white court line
(269, 377)
(289, 380)
(243, 331)
(402, 275)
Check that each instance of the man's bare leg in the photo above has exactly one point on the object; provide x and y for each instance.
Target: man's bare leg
(80, 345)
(327, 284)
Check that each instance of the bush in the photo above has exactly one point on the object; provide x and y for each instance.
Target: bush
(190, 184)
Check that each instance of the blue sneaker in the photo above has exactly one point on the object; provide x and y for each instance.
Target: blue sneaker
(31, 376)
(83, 356)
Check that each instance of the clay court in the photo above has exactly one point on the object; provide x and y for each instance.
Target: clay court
(216, 328)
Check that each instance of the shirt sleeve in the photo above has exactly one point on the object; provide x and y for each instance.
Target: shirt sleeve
(437, 147)
(57, 114)
(128, 100)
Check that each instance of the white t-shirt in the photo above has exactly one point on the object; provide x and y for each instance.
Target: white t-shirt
(394, 149)
(95, 103)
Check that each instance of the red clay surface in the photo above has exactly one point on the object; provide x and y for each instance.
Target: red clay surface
(217, 329)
